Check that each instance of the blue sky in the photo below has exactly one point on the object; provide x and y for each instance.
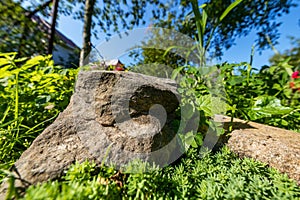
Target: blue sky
(238, 53)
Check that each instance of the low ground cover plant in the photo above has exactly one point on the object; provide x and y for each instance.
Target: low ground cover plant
(219, 176)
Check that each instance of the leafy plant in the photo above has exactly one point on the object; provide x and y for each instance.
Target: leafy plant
(32, 93)
(265, 97)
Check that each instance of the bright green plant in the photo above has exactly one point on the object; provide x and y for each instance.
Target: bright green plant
(238, 91)
(291, 55)
(82, 181)
(202, 98)
(32, 93)
(248, 95)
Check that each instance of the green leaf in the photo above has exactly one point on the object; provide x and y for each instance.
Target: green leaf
(188, 140)
(277, 86)
(176, 72)
(203, 21)
(4, 72)
(204, 104)
(20, 60)
(267, 106)
(229, 8)
(4, 61)
(236, 80)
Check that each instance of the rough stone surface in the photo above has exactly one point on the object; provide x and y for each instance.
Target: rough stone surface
(113, 117)
(276, 147)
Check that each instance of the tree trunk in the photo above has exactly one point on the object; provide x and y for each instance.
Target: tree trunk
(86, 47)
(52, 29)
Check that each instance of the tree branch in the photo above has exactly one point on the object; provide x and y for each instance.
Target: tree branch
(30, 14)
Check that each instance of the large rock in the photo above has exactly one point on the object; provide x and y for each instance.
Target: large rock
(279, 148)
(112, 116)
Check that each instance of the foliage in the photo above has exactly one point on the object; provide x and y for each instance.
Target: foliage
(219, 176)
(203, 97)
(153, 56)
(22, 31)
(201, 25)
(32, 93)
(264, 97)
(18, 32)
(118, 16)
(153, 52)
(82, 181)
(112, 16)
(260, 16)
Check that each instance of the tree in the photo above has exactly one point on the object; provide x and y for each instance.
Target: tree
(260, 15)
(88, 14)
(106, 16)
(53, 26)
(26, 27)
(113, 16)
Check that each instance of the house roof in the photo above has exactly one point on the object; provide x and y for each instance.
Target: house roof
(47, 26)
(113, 62)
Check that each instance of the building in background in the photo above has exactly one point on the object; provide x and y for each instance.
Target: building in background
(116, 63)
(65, 52)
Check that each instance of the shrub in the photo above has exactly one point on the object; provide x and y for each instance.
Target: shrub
(32, 93)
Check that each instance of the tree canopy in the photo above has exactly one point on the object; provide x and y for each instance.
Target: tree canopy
(260, 16)
(19, 32)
